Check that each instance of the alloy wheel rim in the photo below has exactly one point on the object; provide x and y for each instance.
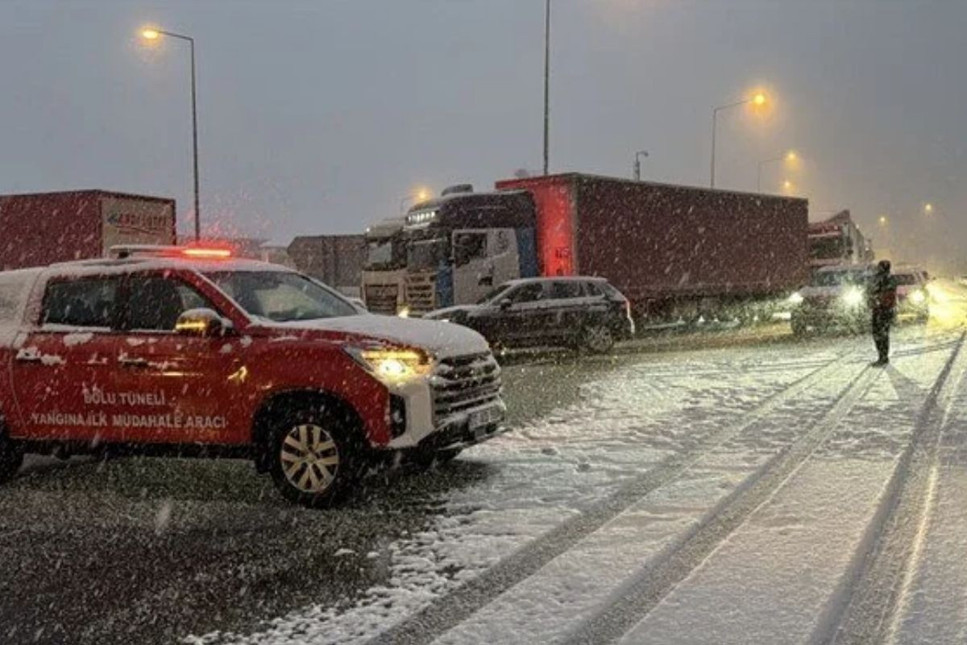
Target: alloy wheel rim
(310, 458)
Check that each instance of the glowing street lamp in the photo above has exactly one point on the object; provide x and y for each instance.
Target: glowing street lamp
(758, 99)
(928, 208)
(790, 157)
(882, 220)
(152, 34)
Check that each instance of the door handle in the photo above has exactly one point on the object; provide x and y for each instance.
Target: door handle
(132, 362)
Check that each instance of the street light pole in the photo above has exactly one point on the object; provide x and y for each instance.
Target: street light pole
(154, 34)
(638, 155)
(758, 99)
(547, 80)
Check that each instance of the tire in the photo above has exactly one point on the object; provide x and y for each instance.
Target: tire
(597, 339)
(11, 457)
(313, 456)
(799, 328)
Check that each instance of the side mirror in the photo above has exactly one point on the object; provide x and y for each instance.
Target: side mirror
(505, 304)
(203, 323)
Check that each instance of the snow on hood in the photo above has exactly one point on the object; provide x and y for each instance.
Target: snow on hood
(439, 338)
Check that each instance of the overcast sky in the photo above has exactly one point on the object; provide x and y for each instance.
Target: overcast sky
(318, 117)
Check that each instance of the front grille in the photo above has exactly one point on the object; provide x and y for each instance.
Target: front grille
(381, 298)
(464, 382)
(420, 294)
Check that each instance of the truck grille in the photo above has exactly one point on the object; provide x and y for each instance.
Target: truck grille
(420, 293)
(382, 298)
(464, 382)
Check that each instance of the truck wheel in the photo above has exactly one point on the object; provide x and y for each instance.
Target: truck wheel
(312, 459)
(11, 457)
(597, 339)
(798, 327)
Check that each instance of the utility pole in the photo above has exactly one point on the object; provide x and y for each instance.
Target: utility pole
(547, 80)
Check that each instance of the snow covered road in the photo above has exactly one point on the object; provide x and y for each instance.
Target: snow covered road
(740, 495)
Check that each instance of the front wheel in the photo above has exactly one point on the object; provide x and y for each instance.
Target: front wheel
(598, 339)
(312, 460)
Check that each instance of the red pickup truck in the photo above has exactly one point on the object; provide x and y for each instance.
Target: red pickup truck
(188, 352)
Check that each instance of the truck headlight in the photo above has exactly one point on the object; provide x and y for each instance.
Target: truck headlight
(795, 299)
(917, 297)
(392, 365)
(853, 296)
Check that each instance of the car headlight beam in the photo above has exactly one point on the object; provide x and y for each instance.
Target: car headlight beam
(917, 297)
(853, 296)
(392, 365)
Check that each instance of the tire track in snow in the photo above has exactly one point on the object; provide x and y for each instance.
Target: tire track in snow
(865, 608)
(637, 597)
(455, 607)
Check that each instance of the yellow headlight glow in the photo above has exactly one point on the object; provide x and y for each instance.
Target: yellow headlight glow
(396, 364)
(853, 296)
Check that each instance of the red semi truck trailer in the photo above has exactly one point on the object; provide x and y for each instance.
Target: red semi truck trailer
(43, 228)
(669, 247)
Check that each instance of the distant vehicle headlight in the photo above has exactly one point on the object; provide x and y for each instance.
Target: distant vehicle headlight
(853, 296)
(795, 299)
(404, 312)
(392, 365)
(917, 297)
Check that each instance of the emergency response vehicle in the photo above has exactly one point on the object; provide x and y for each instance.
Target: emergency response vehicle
(190, 352)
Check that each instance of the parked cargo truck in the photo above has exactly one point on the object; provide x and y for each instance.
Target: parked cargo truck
(675, 251)
(837, 240)
(43, 228)
(384, 269)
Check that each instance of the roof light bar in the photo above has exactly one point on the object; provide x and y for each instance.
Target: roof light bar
(124, 251)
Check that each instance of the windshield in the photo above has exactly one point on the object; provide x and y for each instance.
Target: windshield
(428, 254)
(906, 279)
(826, 248)
(494, 294)
(837, 278)
(383, 254)
(280, 296)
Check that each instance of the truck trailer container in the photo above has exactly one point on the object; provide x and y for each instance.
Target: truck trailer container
(336, 260)
(666, 246)
(43, 228)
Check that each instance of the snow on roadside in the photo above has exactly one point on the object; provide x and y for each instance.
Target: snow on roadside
(547, 471)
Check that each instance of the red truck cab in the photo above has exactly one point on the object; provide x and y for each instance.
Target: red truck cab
(175, 351)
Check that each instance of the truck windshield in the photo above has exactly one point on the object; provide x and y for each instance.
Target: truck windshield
(826, 248)
(280, 296)
(383, 254)
(428, 254)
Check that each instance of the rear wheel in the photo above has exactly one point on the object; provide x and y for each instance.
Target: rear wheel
(313, 459)
(598, 339)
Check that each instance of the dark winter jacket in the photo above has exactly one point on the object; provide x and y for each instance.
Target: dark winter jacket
(883, 292)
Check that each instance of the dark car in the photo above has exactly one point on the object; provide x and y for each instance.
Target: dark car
(565, 311)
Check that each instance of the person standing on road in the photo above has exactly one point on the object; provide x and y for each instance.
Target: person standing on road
(882, 300)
